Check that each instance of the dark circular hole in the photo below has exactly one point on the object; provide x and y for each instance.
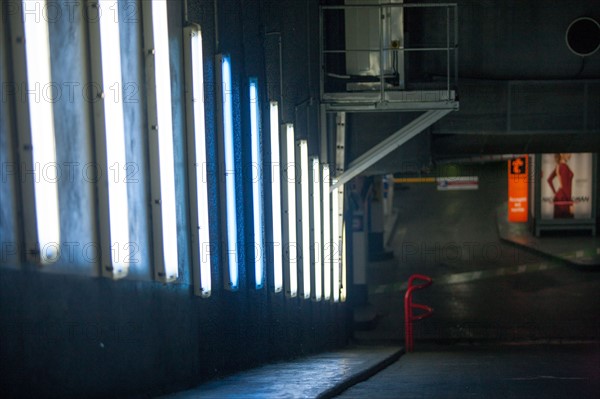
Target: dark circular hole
(583, 36)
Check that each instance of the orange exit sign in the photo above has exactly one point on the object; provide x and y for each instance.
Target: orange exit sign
(518, 189)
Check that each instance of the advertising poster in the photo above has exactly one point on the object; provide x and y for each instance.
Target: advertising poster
(566, 186)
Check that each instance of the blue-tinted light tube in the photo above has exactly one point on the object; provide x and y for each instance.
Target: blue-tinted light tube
(228, 140)
(305, 193)
(276, 198)
(115, 144)
(318, 268)
(200, 164)
(41, 118)
(257, 186)
(292, 221)
(326, 233)
(336, 247)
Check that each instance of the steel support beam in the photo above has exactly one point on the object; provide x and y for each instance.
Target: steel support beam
(390, 144)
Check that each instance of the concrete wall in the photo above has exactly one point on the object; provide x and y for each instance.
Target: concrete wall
(68, 333)
(516, 76)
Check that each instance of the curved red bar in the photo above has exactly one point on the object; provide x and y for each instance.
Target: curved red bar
(409, 317)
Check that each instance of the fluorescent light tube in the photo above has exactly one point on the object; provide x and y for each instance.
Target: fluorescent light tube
(162, 162)
(336, 247)
(231, 195)
(43, 145)
(110, 147)
(276, 198)
(257, 185)
(196, 130)
(327, 242)
(305, 201)
(317, 258)
(292, 244)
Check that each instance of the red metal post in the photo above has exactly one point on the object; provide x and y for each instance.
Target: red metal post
(409, 306)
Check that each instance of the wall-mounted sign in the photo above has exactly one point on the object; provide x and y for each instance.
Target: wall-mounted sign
(457, 183)
(566, 186)
(518, 176)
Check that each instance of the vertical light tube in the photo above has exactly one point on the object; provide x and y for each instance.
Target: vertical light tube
(291, 198)
(41, 120)
(110, 146)
(336, 239)
(228, 141)
(344, 276)
(196, 131)
(341, 243)
(318, 259)
(257, 186)
(156, 37)
(326, 233)
(276, 198)
(305, 200)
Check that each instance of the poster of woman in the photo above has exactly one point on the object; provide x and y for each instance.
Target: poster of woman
(566, 186)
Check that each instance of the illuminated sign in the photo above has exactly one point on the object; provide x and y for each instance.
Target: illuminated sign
(566, 186)
(518, 188)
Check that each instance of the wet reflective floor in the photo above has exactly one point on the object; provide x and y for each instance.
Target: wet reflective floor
(484, 289)
(508, 322)
(488, 371)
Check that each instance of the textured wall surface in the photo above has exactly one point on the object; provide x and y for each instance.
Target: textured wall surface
(68, 333)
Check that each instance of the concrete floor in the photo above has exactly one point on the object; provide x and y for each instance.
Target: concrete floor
(508, 323)
(484, 288)
(488, 371)
(319, 376)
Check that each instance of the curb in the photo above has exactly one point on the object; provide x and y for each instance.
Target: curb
(361, 375)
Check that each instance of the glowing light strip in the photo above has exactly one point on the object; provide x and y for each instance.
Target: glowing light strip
(291, 197)
(276, 198)
(336, 235)
(161, 142)
(197, 152)
(231, 201)
(41, 118)
(344, 278)
(318, 259)
(326, 233)
(257, 186)
(114, 133)
(305, 193)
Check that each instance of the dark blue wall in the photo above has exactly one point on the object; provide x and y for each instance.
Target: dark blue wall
(68, 333)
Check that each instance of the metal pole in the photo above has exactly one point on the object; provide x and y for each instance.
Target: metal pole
(448, 50)
(381, 71)
(456, 45)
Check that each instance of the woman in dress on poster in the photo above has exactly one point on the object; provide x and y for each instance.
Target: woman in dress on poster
(563, 202)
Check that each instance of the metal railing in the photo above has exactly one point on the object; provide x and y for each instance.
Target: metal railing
(409, 317)
(385, 49)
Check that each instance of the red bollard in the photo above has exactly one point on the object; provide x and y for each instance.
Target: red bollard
(409, 306)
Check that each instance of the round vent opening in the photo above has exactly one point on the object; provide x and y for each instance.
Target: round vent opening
(583, 36)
